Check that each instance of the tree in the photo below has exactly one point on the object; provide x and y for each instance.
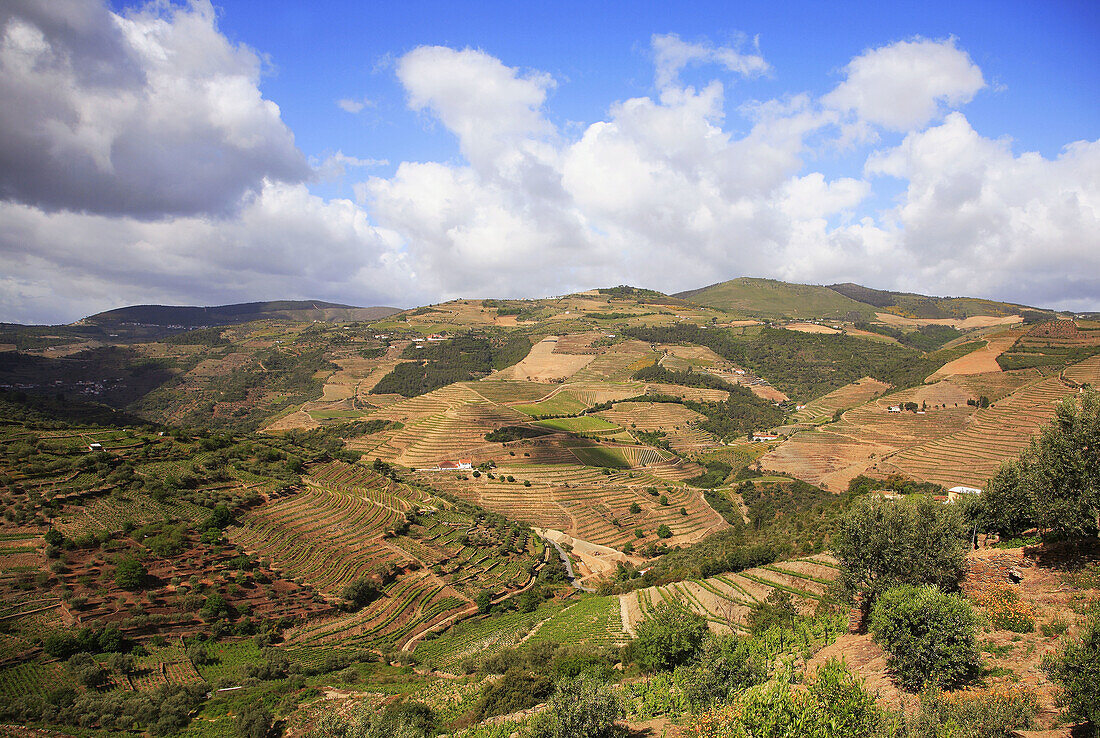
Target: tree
(1055, 484)
(775, 609)
(580, 708)
(130, 573)
(361, 592)
(882, 544)
(635, 508)
(254, 721)
(668, 637)
(1077, 669)
(929, 637)
(484, 601)
(663, 531)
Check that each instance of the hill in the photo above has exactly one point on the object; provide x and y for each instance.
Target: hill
(924, 306)
(770, 298)
(179, 316)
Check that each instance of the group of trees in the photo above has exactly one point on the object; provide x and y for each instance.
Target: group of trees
(1055, 484)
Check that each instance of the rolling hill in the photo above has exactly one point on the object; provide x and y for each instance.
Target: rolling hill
(770, 298)
(178, 316)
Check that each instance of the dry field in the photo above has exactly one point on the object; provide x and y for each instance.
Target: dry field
(543, 364)
(693, 355)
(982, 361)
(811, 328)
(848, 396)
(830, 456)
(725, 600)
(678, 423)
(994, 435)
(976, 321)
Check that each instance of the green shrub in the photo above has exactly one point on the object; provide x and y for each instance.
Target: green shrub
(726, 665)
(834, 705)
(515, 690)
(1077, 669)
(669, 636)
(928, 636)
(130, 574)
(985, 713)
(775, 609)
(580, 708)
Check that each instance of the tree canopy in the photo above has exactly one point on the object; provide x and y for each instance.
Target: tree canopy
(882, 544)
(1055, 483)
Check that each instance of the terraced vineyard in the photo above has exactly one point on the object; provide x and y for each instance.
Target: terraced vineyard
(726, 599)
(996, 434)
(407, 607)
(588, 504)
(323, 537)
(848, 396)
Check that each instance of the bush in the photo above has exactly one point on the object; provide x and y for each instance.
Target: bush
(130, 574)
(983, 713)
(1076, 668)
(669, 636)
(254, 721)
(726, 666)
(361, 593)
(883, 544)
(928, 636)
(775, 609)
(516, 690)
(580, 708)
(835, 705)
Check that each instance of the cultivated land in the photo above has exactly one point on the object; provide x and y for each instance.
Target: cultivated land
(259, 479)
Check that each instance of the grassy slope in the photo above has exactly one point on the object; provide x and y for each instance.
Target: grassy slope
(769, 298)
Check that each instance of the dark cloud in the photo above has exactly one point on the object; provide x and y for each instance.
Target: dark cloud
(149, 115)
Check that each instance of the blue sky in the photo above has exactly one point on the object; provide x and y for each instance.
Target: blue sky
(421, 151)
(1042, 59)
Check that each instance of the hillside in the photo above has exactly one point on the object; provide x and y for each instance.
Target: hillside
(769, 298)
(179, 316)
(314, 505)
(913, 305)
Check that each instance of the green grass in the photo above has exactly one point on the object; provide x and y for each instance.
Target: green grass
(583, 424)
(600, 456)
(769, 298)
(562, 403)
(591, 620)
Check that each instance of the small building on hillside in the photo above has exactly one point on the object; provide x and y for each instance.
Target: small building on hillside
(95, 446)
(956, 492)
(886, 494)
(761, 437)
(894, 409)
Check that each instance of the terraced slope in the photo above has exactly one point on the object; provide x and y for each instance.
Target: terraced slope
(726, 599)
(835, 453)
(994, 435)
(586, 503)
(848, 396)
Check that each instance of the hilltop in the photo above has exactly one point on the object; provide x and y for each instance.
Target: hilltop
(769, 298)
(303, 500)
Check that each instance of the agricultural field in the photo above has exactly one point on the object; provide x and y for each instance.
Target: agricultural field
(971, 455)
(852, 395)
(726, 599)
(832, 454)
(263, 518)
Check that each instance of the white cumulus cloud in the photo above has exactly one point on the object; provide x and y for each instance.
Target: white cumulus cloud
(906, 85)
